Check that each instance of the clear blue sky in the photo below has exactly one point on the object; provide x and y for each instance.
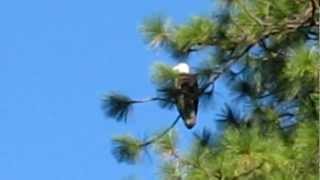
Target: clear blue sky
(57, 59)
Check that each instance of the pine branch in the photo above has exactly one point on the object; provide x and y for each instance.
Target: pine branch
(252, 16)
(167, 144)
(128, 149)
(286, 115)
(118, 106)
(289, 25)
(231, 60)
(151, 141)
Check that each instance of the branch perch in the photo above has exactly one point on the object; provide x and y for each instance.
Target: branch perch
(152, 140)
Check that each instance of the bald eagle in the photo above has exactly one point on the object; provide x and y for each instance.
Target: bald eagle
(188, 98)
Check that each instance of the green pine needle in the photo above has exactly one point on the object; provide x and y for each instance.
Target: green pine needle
(163, 74)
(303, 63)
(167, 144)
(169, 171)
(198, 32)
(157, 31)
(117, 106)
(126, 149)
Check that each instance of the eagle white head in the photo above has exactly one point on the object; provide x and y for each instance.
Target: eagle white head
(182, 68)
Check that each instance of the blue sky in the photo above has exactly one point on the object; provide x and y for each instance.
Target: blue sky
(57, 59)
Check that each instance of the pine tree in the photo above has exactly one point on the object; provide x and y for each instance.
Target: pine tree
(268, 55)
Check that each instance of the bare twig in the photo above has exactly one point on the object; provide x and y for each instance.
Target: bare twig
(151, 141)
(149, 100)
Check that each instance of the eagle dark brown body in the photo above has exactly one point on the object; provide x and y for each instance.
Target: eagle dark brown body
(188, 99)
